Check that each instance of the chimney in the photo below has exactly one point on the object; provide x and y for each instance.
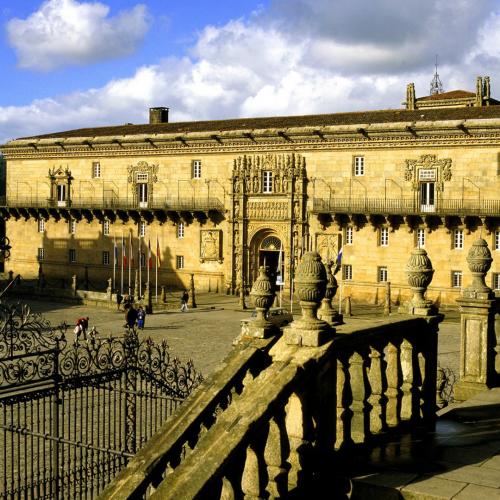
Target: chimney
(158, 115)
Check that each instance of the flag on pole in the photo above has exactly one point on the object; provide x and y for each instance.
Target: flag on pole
(122, 266)
(115, 260)
(124, 254)
(338, 263)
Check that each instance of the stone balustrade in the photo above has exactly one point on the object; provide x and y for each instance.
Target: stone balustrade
(280, 412)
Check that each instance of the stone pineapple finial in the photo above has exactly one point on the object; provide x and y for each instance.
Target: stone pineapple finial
(310, 287)
(327, 312)
(479, 261)
(419, 271)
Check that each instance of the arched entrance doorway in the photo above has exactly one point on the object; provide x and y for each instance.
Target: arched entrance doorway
(267, 250)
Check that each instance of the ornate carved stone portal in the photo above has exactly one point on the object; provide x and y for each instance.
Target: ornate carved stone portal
(428, 167)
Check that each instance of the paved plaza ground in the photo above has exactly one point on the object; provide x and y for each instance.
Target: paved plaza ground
(205, 334)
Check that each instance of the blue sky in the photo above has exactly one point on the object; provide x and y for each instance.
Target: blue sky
(76, 63)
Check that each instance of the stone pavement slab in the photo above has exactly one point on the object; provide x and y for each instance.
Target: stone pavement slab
(475, 492)
(432, 488)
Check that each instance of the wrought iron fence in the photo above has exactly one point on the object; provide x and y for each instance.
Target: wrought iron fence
(407, 206)
(73, 413)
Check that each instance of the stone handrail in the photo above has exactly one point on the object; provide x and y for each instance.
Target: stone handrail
(307, 405)
(201, 411)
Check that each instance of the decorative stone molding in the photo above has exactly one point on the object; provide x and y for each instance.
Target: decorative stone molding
(268, 210)
(210, 245)
(479, 260)
(441, 169)
(310, 287)
(143, 167)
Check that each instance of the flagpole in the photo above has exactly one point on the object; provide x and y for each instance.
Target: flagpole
(114, 261)
(149, 257)
(139, 263)
(129, 263)
(156, 270)
(121, 278)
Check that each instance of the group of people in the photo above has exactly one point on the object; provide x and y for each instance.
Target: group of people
(128, 300)
(135, 317)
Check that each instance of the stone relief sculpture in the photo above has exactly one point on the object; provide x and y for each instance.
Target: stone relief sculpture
(327, 245)
(427, 162)
(210, 244)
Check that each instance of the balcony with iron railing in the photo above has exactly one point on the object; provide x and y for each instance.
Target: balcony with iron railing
(407, 206)
(188, 204)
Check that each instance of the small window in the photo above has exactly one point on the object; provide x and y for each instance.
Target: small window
(347, 272)
(180, 230)
(41, 254)
(382, 274)
(41, 225)
(384, 237)
(496, 243)
(105, 258)
(456, 279)
(72, 255)
(96, 170)
(142, 194)
(105, 227)
(267, 181)
(196, 169)
(496, 281)
(142, 229)
(61, 192)
(179, 261)
(349, 233)
(458, 239)
(142, 177)
(420, 238)
(72, 226)
(359, 166)
(143, 259)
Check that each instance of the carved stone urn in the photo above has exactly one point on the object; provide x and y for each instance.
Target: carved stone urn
(310, 287)
(262, 295)
(327, 312)
(479, 260)
(419, 272)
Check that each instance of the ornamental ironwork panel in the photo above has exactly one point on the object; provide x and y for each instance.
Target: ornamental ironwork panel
(72, 414)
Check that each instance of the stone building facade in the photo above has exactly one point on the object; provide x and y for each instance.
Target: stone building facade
(219, 198)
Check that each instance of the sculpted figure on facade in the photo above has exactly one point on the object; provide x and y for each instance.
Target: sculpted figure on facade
(209, 244)
(327, 245)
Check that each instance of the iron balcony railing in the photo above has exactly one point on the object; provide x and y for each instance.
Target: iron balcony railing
(403, 206)
(177, 204)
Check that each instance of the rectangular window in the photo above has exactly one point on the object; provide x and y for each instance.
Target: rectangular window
(180, 230)
(96, 170)
(72, 226)
(41, 254)
(347, 272)
(142, 229)
(456, 279)
(349, 233)
(458, 239)
(72, 255)
(142, 194)
(420, 238)
(105, 258)
(105, 227)
(143, 260)
(196, 169)
(267, 181)
(382, 274)
(179, 261)
(496, 243)
(359, 165)
(496, 281)
(61, 192)
(41, 225)
(384, 237)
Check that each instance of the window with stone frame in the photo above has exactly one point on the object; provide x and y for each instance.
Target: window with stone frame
(72, 255)
(179, 261)
(359, 166)
(349, 235)
(347, 272)
(496, 240)
(383, 237)
(456, 279)
(382, 274)
(105, 258)
(180, 230)
(96, 170)
(420, 237)
(267, 181)
(72, 226)
(41, 225)
(458, 239)
(495, 281)
(196, 172)
(142, 229)
(41, 254)
(105, 227)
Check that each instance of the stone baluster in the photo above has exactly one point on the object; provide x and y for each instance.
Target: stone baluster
(310, 286)
(392, 391)
(477, 311)
(358, 404)
(376, 398)
(250, 479)
(327, 312)
(274, 456)
(227, 491)
(343, 398)
(408, 410)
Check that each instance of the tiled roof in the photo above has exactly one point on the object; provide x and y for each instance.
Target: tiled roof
(452, 94)
(283, 122)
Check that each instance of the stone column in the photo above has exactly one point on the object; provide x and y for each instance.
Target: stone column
(477, 311)
(192, 297)
(310, 287)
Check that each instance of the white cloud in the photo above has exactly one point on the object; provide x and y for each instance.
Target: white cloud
(68, 32)
(260, 68)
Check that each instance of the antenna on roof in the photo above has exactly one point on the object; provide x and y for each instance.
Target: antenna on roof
(436, 84)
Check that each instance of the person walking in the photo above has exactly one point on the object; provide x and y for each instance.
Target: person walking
(141, 318)
(119, 299)
(131, 317)
(184, 301)
(81, 327)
